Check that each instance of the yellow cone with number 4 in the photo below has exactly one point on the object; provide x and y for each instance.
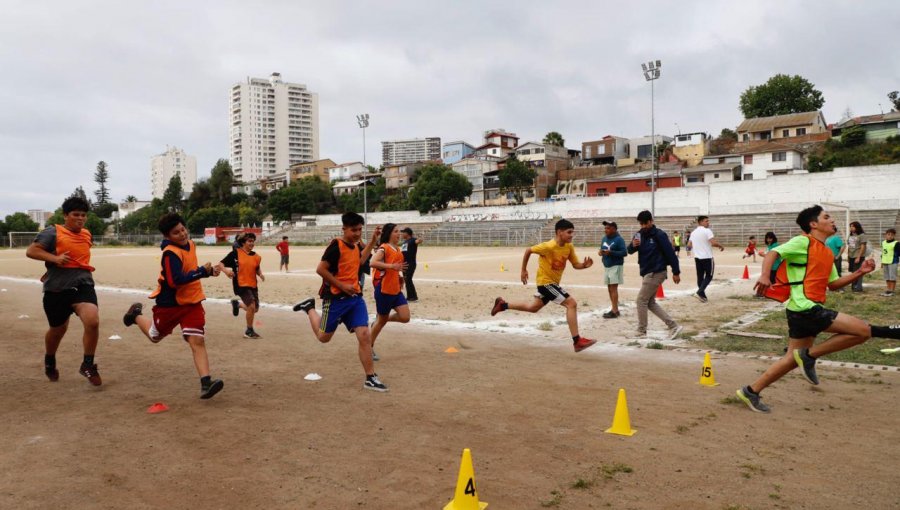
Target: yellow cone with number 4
(706, 373)
(465, 497)
(621, 422)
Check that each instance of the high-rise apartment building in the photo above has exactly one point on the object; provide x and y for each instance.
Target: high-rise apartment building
(398, 152)
(273, 125)
(169, 164)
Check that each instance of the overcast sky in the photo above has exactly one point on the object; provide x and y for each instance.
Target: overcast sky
(84, 81)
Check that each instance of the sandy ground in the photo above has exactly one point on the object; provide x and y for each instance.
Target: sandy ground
(531, 410)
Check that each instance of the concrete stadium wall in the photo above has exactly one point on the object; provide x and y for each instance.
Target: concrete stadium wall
(861, 188)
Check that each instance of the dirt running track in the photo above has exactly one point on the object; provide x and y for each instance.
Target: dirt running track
(532, 411)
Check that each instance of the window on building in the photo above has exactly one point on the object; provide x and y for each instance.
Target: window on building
(765, 136)
(601, 149)
(587, 152)
(621, 189)
(602, 192)
(785, 133)
(748, 159)
(748, 177)
(695, 178)
(801, 131)
(746, 137)
(715, 176)
(779, 156)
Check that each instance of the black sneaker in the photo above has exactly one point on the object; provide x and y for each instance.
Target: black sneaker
(374, 383)
(133, 311)
(752, 400)
(250, 333)
(51, 372)
(235, 307)
(611, 315)
(306, 305)
(208, 391)
(807, 365)
(90, 371)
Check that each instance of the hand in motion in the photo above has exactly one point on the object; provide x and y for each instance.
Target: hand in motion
(524, 277)
(62, 258)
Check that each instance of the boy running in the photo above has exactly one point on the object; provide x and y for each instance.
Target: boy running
(808, 270)
(284, 249)
(388, 262)
(553, 256)
(342, 300)
(890, 256)
(179, 299)
(68, 286)
(242, 265)
(750, 250)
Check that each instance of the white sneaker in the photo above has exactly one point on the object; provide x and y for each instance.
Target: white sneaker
(675, 332)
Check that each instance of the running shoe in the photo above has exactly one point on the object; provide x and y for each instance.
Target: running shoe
(374, 383)
(807, 365)
(306, 305)
(375, 356)
(675, 331)
(498, 306)
(583, 343)
(250, 333)
(235, 307)
(752, 400)
(90, 371)
(133, 311)
(52, 373)
(209, 390)
(700, 298)
(611, 315)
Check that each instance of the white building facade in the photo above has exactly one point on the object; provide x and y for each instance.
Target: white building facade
(169, 164)
(346, 171)
(272, 125)
(398, 152)
(764, 163)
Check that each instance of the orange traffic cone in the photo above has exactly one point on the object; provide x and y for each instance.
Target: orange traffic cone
(746, 275)
(157, 408)
(659, 292)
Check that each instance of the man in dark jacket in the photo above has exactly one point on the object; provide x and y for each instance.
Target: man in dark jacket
(655, 252)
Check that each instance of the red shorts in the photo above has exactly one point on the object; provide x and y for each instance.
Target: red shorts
(191, 318)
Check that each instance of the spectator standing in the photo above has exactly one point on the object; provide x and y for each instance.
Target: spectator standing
(857, 244)
(701, 242)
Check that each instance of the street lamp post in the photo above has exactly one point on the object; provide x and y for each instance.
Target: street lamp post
(651, 74)
(363, 121)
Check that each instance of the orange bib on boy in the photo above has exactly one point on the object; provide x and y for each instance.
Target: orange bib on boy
(247, 265)
(78, 245)
(192, 292)
(819, 263)
(348, 267)
(389, 279)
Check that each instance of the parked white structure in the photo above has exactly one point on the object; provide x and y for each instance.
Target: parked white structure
(398, 152)
(169, 164)
(273, 125)
(126, 208)
(346, 171)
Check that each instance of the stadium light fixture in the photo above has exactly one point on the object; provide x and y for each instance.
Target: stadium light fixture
(651, 73)
(363, 121)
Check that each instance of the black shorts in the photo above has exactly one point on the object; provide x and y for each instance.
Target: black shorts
(249, 295)
(285, 259)
(58, 305)
(809, 323)
(677, 249)
(552, 292)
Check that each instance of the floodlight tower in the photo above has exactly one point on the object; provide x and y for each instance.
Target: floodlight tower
(363, 121)
(651, 74)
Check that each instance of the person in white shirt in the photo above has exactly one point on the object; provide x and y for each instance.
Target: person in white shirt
(701, 242)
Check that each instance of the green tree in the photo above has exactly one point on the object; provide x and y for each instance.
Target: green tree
(200, 197)
(101, 176)
(782, 94)
(172, 198)
(309, 195)
(853, 136)
(220, 182)
(79, 192)
(144, 220)
(724, 143)
(20, 222)
(131, 199)
(554, 138)
(517, 177)
(395, 202)
(436, 186)
(219, 216)
(95, 224)
(895, 99)
(248, 216)
(105, 210)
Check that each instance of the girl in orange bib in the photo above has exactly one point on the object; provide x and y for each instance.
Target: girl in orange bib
(387, 280)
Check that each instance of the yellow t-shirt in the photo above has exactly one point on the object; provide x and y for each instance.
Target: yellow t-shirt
(553, 260)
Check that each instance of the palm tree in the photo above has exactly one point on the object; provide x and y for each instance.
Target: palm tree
(554, 138)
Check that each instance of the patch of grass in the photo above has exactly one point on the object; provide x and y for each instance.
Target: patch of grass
(656, 345)
(774, 496)
(752, 469)
(545, 326)
(581, 483)
(610, 470)
(503, 325)
(681, 429)
(731, 400)
(553, 501)
(633, 344)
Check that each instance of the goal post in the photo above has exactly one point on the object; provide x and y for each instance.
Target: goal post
(21, 239)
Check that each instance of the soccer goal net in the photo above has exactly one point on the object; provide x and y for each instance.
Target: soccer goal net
(21, 239)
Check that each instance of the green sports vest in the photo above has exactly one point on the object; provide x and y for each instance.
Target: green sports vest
(887, 251)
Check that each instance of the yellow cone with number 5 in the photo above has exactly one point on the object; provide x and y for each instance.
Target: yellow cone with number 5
(621, 422)
(707, 378)
(465, 497)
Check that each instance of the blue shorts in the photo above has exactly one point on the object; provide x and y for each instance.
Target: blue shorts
(384, 303)
(351, 311)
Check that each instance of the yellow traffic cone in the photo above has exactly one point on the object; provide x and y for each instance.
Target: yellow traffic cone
(621, 423)
(465, 497)
(502, 267)
(706, 373)
(426, 267)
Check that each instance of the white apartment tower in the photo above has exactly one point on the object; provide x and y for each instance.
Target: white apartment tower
(273, 125)
(169, 164)
(399, 152)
